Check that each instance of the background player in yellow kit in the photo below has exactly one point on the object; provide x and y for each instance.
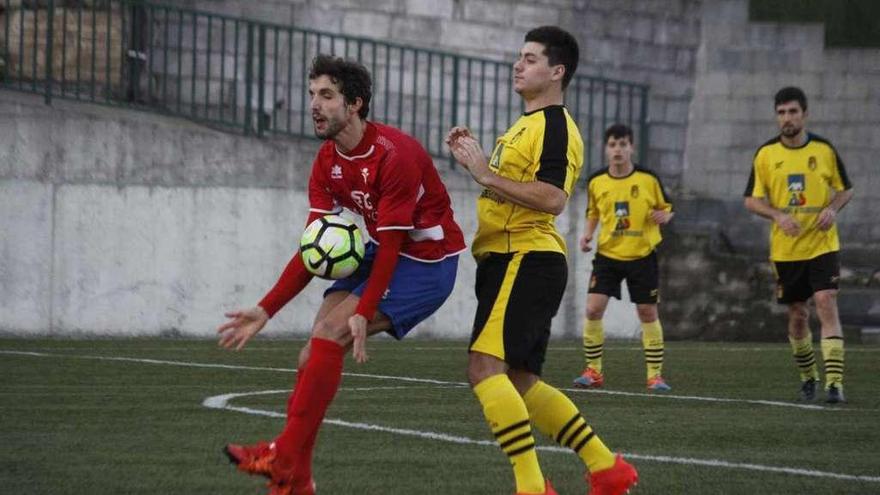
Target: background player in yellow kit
(799, 182)
(630, 204)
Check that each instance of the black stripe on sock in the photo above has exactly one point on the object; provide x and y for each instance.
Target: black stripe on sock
(521, 450)
(561, 434)
(515, 439)
(507, 430)
(574, 435)
(584, 442)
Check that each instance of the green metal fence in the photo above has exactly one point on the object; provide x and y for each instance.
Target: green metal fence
(252, 76)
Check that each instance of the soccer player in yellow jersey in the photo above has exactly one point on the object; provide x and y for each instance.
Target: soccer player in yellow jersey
(522, 270)
(799, 183)
(630, 204)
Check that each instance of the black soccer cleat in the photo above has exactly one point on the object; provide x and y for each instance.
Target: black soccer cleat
(808, 390)
(835, 394)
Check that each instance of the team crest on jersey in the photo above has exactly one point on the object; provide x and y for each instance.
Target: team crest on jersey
(495, 162)
(797, 184)
(634, 191)
(621, 211)
(811, 163)
(366, 173)
(335, 172)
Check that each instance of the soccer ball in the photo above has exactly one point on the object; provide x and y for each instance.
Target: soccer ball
(331, 247)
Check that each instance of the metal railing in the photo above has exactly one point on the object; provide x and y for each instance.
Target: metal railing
(253, 76)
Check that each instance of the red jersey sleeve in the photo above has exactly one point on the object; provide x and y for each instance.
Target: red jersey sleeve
(293, 279)
(380, 275)
(400, 182)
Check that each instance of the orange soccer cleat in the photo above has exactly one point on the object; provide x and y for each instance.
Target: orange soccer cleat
(616, 480)
(252, 459)
(590, 378)
(658, 384)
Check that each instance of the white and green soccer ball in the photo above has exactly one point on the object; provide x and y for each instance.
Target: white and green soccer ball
(332, 247)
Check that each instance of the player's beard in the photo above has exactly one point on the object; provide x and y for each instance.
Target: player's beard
(790, 131)
(332, 127)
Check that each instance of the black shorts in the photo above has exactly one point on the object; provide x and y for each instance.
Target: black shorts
(518, 295)
(796, 281)
(641, 275)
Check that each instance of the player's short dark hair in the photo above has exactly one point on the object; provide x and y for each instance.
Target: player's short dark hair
(559, 46)
(618, 131)
(790, 93)
(352, 78)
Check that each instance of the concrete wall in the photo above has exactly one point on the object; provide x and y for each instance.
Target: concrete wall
(740, 65)
(120, 223)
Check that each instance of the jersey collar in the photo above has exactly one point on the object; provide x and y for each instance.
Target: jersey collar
(365, 147)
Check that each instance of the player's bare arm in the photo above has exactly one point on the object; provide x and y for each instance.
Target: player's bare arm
(786, 222)
(587, 238)
(829, 215)
(536, 195)
(243, 326)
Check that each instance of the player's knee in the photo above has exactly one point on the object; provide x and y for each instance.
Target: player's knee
(330, 330)
(481, 367)
(798, 314)
(595, 312)
(647, 312)
(825, 298)
(303, 356)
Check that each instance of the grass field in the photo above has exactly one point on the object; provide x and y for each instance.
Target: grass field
(151, 415)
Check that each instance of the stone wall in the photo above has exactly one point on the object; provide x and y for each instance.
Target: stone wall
(740, 66)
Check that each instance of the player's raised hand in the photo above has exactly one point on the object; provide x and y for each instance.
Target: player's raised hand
(455, 133)
(788, 224)
(469, 154)
(826, 219)
(244, 324)
(358, 326)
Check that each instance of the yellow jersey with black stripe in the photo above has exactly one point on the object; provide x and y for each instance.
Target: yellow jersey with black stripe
(623, 206)
(543, 145)
(799, 181)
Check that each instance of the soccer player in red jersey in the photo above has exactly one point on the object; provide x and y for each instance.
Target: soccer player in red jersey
(409, 269)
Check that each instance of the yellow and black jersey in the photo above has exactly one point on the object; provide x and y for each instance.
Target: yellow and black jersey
(799, 181)
(543, 145)
(623, 206)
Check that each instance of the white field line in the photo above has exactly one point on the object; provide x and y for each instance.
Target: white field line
(222, 402)
(407, 379)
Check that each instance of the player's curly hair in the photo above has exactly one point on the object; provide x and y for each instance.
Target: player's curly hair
(352, 78)
(559, 46)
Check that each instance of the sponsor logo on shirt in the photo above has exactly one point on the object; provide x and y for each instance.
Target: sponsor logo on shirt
(797, 184)
(336, 172)
(621, 211)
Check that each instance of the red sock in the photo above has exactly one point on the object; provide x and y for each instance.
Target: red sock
(316, 386)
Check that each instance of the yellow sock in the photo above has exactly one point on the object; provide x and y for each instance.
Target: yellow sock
(832, 352)
(652, 342)
(508, 417)
(804, 357)
(556, 416)
(594, 341)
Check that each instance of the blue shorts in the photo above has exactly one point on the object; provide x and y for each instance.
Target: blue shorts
(416, 291)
